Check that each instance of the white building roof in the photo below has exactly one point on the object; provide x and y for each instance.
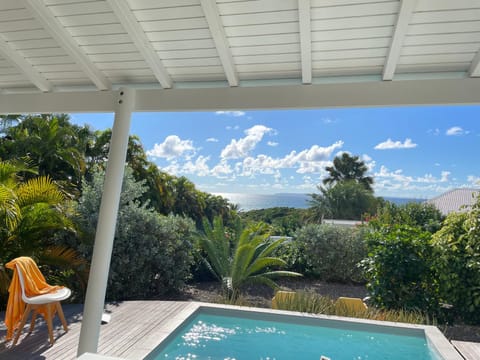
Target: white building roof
(456, 200)
(294, 53)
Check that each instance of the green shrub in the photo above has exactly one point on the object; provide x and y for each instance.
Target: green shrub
(151, 253)
(423, 215)
(458, 263)
(399, 268)
(328, 252)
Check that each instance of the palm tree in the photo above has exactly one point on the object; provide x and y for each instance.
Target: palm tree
(51, 142)
(30, 213)
(346, 168)
(242, 257)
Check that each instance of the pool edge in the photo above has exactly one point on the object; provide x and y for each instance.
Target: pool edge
(433, 335)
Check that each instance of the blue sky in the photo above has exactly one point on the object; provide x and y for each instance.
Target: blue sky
(410, 151)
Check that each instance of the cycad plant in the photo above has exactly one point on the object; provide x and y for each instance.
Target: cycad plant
(243, 256)
(30, 212)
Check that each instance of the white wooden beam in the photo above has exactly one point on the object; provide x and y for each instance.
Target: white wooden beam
(474, 70)
(315, 96)
(304, 18)
(220, 39)
(139, 38)
(25, 67)
(56, 30)
(404, 15)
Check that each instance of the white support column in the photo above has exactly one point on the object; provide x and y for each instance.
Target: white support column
(107, 218)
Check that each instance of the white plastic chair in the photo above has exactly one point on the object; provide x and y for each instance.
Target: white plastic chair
(51, 301)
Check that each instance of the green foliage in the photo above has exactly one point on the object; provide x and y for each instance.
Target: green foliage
(242, 257)
(31, 213)
(399, 268)
(283, 220)
(424, 215)
(151, 254)
(314, 303)
(327, 252)
(348, 168)
(347, 200)
(51, 142)
(458, 263)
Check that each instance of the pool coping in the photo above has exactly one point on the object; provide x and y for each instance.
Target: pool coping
(435, 339)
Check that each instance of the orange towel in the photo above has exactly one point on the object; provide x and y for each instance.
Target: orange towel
(35, 285)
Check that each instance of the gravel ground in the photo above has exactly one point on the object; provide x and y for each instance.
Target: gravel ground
(261, 296)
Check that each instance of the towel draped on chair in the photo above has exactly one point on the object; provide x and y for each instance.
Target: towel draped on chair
(35, 285)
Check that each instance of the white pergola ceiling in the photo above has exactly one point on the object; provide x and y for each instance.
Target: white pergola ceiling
(88, 46)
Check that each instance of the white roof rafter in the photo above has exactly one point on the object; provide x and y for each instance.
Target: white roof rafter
(474, 70)
(27, 69)
(65, 40)
(304, 17)
(220, 39)
(139, 38)
(405, 13)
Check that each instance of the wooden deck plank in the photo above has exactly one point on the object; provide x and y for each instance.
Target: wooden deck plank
(469, 350)
(131, 321)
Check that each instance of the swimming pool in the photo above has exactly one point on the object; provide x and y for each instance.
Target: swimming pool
(227, 333)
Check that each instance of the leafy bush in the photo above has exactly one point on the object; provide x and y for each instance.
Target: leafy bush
(151, 253)
(423, 215)
(399, 268)
(328, 252)
(458, 263)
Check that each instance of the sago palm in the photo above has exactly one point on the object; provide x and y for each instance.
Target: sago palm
(242, 257)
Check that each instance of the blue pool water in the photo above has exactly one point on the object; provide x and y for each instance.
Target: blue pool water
(212, 337)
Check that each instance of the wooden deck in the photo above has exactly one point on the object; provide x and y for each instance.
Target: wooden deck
(136, 327)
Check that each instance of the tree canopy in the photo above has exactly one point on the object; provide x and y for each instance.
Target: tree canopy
(348, 168)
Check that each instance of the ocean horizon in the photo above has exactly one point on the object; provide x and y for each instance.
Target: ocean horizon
(248, 202)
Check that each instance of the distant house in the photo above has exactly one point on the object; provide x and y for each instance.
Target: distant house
(456, 200)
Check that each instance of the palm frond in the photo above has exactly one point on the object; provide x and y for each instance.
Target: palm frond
(264, 262)
(39, 190)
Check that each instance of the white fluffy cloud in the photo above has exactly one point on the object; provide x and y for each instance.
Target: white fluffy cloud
(311, 160)
(455, 131)
(212, 139)
(171, 148)
(272, 143)
(199, 167)
(390, 144)
(235, 113)
(241, 148)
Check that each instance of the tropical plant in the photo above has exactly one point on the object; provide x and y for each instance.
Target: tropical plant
(242, 257)
(345, 200)
(399, 268)
(51, 142)
(347, 168)
(31, 212)
(457, 263)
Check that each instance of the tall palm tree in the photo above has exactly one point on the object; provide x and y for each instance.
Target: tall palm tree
(347, 168)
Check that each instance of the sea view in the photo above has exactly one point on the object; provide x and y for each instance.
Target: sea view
(295, 200)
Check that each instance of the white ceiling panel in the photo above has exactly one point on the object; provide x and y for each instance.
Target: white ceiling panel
(105, 43)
